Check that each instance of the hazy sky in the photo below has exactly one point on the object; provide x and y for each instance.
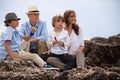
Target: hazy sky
(96, 17)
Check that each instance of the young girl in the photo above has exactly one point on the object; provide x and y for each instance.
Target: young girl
(58, 42)
(10, 42)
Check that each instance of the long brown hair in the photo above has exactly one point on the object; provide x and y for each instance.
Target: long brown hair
(75, 26)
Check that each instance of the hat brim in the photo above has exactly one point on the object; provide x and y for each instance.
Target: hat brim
(13, 19)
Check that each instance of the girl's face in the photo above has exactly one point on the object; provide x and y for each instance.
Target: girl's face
(58, 24)
(72, 18)
(14, 23)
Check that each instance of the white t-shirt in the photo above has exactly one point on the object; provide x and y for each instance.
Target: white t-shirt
(64, 37)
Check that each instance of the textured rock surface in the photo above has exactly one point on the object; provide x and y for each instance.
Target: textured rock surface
(103, 52)
(102, 63)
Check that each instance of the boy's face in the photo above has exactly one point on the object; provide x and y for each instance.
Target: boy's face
(58, 24)
(14, 23)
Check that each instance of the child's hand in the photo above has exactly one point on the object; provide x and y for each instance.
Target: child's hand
(54, 42)
(46, 52)
(17, 59)
(60, 43)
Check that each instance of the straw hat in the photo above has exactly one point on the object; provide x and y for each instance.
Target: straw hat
(32, 10)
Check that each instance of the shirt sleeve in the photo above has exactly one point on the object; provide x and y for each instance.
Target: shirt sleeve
(7, 35)
(21, 30)
(44, 32)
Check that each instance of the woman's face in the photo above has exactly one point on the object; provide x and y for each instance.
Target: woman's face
(72, 18)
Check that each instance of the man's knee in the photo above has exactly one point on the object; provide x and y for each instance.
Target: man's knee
(42, 47)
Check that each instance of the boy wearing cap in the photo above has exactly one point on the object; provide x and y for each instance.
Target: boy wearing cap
(10, 43)
(34, 31)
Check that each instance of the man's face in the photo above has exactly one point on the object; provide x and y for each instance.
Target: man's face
(33, 17)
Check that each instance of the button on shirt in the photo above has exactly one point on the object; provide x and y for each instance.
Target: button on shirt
(15, 39)
(41, 30)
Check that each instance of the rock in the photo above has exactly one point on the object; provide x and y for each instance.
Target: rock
(102, 61)
(100, 40)
(102, 51)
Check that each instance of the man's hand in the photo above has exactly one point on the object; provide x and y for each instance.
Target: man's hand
(33, 40)
(33, 30)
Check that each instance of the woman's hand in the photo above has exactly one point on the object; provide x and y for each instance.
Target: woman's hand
(73, 53)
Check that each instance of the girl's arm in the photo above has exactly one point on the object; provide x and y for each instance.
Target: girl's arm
(10, 52)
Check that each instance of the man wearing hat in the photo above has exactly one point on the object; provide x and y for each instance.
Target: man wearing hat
(10, 42)
(34, 31)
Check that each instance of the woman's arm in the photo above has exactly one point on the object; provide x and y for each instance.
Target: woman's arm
(81, 48)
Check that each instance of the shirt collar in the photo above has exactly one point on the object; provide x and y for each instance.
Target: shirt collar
(13, 29)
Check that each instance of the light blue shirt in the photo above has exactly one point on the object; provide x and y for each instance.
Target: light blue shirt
(41, 30)
(9, 34)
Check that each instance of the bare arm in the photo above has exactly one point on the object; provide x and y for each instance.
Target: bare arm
(26, 38)
(81, 48)
(10, 52)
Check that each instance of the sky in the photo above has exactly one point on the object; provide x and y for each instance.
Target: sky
(96, 17)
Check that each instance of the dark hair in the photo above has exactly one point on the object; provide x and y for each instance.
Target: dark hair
(7, 23)
(75, 27)
(57, 18)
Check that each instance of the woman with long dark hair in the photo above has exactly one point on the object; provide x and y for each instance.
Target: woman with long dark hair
(76, 37)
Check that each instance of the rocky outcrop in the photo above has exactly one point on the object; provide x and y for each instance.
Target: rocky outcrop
(103, 51)
(102, 63)
(11, 70)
